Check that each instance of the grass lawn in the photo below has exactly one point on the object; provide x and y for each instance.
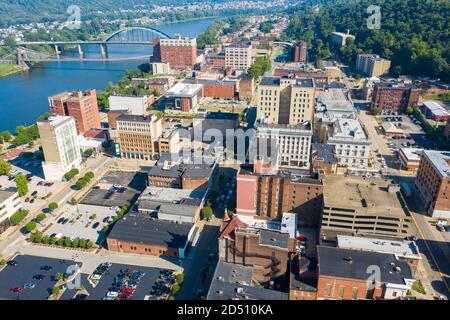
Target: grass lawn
(8, 69)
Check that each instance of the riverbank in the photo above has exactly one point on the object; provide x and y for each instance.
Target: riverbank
(9, 69)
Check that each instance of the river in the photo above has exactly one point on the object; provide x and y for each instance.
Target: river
(24, 96)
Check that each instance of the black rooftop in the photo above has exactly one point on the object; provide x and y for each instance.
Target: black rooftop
(138, 229)
(324, 151)
(353, 264)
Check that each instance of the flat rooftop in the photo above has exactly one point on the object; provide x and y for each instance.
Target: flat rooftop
(5, 195)
(366, 196)
(298, 82)
(407, 249)
(440, 160)
(217, 116)
(137, 229)
(324, 151)
(170, 194)
(234, 282)
(184, 90)
(335, 100)
(176, 166)
(348, 129)
(412, 154)
(353, 264)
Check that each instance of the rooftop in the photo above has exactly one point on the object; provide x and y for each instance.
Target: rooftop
(440, 160)
(217, 116)
(137, 229)
(436, 109)
(324, 151)
(55, 121)
(184, 90)
(298, 82)
(5, 195)
(348, 129)
(234, 282)
(406, 249)
(374, 196)
(353, 264)
(135, 118)
(335, 100)
(175, 165)
(412, 154)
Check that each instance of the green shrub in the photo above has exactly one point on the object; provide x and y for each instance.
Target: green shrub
(40, 217)
(58, 276)
(45, 240)
(60, 241)
(30, 226)
(75, 243)
(53, 240)
(81, 183)
(82, 244)
(179, 278)
(53, 206)
(18, 217)
(206, 213)
(175, 288)
(3, 262)
(56, 290)
(67, 242)
(90, 244)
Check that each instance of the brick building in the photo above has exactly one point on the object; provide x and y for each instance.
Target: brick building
(246, 87)
(301, 52)
(303, 278)
(268, 196)
(171, 171)
(82, 106)
(323, 159)
(433, 182)
(141, 235)
(224, 89)
(178, 52)
(267, 251)
(393, 96)
(183, 97)
(343, 275)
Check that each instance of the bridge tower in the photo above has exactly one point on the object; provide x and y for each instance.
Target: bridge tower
(21, 61)
(80, 52)
(104, 50)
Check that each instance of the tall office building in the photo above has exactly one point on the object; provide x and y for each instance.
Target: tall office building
(138, 136)
(177, 52)
(82, 106)
(372, 65)
(60, 146)
(238, 56)
(284, 100)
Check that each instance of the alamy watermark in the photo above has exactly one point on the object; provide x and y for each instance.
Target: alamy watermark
(374, 20)
(74, 20)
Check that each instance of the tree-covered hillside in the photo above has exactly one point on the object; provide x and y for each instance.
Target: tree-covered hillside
(414, 34)
(25, 11)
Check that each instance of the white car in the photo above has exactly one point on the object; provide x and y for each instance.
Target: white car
(112, 294)
(96, 276)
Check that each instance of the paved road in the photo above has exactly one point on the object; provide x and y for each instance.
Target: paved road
(7, 245)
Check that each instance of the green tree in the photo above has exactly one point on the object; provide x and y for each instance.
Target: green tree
(81, 183)
(90, 244)
(21, 184)
(56, 290)
(41, 216)
(6, 136)
(67, 242)
(18, 217)
(82, 243)
(175, 288)
(5, 167)
(75, 243)
(179, 278)
(376, 110)
(53, 206)
(30, 226)
(206, 213)
(409, 110)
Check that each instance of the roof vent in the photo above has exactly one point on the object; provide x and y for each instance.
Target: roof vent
(398, 269)
(349, 259)
(239, 290)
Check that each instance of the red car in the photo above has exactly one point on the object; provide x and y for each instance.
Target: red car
(16, 290)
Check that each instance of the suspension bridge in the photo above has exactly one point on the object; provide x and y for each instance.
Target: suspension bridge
(24, 56)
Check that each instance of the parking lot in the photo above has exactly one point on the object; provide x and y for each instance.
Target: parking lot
(99, 206)
(14, 278)
(39, 189)
(120, 282)
(75, 224)
(415, 135)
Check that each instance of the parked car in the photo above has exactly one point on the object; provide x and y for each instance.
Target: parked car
(12, 263)
(95, 225)
(29, 285)
(47, 268)
(38, 277)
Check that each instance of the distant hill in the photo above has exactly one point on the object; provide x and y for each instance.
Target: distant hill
(25, 11)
